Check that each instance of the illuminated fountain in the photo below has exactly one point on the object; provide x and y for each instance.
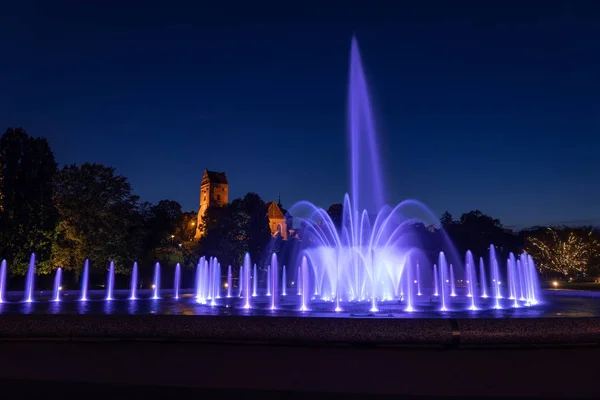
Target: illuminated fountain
(57, 285)
(29, 280)
(2, 280)
(372, 263)
(375, 255)
(134, 282)
(110, 281)
(229, 282)
(85, 280)
(177, 280)
(156, 284)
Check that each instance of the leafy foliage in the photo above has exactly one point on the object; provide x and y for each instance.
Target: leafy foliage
(475, 231)
(99, 218)
(233, 230)
(27, 216)
(336, 213)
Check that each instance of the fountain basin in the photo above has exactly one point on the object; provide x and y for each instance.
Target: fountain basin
(449, 332)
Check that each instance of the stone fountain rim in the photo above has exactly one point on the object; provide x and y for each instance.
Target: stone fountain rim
(447, 332)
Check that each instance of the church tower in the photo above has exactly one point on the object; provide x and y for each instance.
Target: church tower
(214, 191)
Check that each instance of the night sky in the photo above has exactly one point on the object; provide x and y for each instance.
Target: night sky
(477, 106)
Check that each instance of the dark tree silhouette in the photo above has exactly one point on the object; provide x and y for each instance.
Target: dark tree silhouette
(99, 216)
(446, 220)
(27, 215)
(241, 226)
(336, 213)
(164, 220)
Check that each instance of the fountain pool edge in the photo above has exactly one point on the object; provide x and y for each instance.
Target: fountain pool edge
(291, 330)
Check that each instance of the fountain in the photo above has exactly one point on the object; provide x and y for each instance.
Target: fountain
(57, 285)
(84, 280)
(443, 280)
(110, 281)
(229, 282)
(246, 290)
(29, 280)
(156, 284)
(134, 282)
(2, 280)
(452, 282)
(482, 279)
(268, 280)
(177, 281)
(304, 279)
(471, 277)
(254, 282)
(217, 280)
(369, 261)
(283, 282)
(273, 269)
(240, 281)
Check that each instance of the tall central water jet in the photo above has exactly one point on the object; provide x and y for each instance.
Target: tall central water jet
(366, 183)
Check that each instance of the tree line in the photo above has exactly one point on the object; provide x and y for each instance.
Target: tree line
(77, 212)
(558, 250)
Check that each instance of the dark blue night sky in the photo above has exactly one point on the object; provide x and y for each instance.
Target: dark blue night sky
(477, 106)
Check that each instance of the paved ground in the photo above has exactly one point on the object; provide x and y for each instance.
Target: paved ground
(151, 370)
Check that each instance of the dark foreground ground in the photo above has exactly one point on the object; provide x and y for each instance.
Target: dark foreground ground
(165, 370)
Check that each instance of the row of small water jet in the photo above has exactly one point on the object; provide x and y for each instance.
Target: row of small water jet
(57, 287)
(521, 287)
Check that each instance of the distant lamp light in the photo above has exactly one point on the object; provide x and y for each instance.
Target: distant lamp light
(60, 288)
(153, 286)
(226, 285)
(555, 284)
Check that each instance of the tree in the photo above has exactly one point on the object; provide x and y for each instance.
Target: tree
(164, 220)
(446, 220)
(186, 229)
(255, 224)
(565, 251)
(336, 213)
(100, 218)
(27, 215)
(475, 231)
(233, 230)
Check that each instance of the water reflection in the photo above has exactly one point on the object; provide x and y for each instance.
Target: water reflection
(555, 307)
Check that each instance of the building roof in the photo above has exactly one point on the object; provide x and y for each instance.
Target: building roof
(215, 177)
(274, 212)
